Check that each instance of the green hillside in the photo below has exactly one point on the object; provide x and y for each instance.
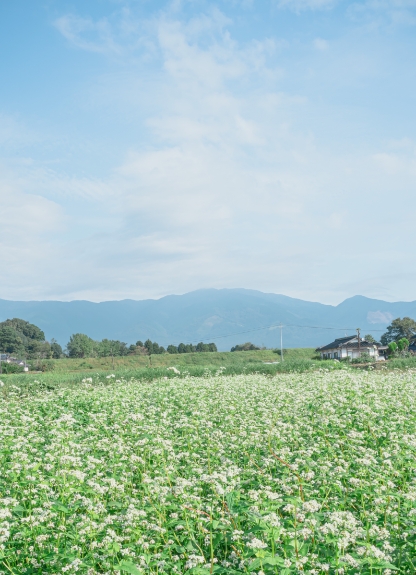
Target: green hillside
(220, 359)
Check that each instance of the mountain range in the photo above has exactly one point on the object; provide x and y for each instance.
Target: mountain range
(225, 316)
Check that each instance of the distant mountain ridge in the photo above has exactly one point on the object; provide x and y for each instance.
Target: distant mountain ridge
(226, 316)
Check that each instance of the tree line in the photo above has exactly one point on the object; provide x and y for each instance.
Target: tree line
(25, 340)
(80, 345)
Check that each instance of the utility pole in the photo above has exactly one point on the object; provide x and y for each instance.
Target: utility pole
(359, 341)
(281, 342)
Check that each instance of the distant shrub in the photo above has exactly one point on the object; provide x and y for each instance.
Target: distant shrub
(11, 367)
(248, 346)
(42, 365)
(364, 358)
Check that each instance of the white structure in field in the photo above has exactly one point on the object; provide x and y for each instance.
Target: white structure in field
(344, 347)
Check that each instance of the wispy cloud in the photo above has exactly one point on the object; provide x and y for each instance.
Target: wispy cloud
(84, 33)
(302, 5)
(222, 177)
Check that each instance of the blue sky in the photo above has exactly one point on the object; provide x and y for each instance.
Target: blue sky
(150, 147)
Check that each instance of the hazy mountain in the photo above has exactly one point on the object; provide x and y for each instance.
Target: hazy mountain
(208, 315)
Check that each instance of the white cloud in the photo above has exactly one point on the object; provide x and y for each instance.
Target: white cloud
(221, 188)
(320, 44)
(302, 5)
(88, 35)
(379, 317)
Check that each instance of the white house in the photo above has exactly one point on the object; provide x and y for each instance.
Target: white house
(344, 347)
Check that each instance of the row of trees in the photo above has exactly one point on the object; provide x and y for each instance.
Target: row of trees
(80, 345)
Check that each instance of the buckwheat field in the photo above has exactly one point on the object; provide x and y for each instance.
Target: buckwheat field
(298, 473)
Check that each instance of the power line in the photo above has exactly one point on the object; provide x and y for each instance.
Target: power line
(280, 326)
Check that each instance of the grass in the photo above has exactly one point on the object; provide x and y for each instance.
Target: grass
(265, 474)
(189, 359)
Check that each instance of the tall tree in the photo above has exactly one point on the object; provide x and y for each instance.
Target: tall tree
(56, 349)
(11, 341)
(398, 329)
(80, 345)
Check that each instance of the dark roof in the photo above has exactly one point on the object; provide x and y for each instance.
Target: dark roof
(346, 342)
(337, 343)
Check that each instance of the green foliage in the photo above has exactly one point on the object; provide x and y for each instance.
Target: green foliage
(56, 350)
(189, 348)
(369, 338)
(242, 474)
(206, 347)
(42, 365)
(153, 348)
(23, 339)
(399, 348)
(364, 358)
(11, 367)
(110, 348)
(403, 344)
(392, 347)
(11, 341)
(80, 345)
(398, 329)
(26, 329)
(248, 346)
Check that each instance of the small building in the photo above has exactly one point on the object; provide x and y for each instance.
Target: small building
(344, 347)
(412, 346)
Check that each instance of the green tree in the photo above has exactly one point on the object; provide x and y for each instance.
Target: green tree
(172, 349)
(56, 349)
(80, 345)
(149, 346)
(369, 338)
(111, 348)
(398, 329)
(11, 341)
(392, 348)
(19, 337)
(38, 349)
(403, 344)
(28, 330)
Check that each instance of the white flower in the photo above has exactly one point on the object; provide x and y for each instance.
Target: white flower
(257, 544)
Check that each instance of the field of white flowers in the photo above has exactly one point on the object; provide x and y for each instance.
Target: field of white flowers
(298, 473)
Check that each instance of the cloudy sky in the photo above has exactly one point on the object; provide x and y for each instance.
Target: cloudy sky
(151, 147)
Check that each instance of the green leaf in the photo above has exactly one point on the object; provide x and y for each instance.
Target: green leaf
(60, 507)
(274, 561)
(190, 546)
(128, 567)
(256, 563)
(18, 510)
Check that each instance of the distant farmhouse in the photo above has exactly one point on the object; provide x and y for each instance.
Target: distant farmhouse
(345, 347)
(9, 359)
